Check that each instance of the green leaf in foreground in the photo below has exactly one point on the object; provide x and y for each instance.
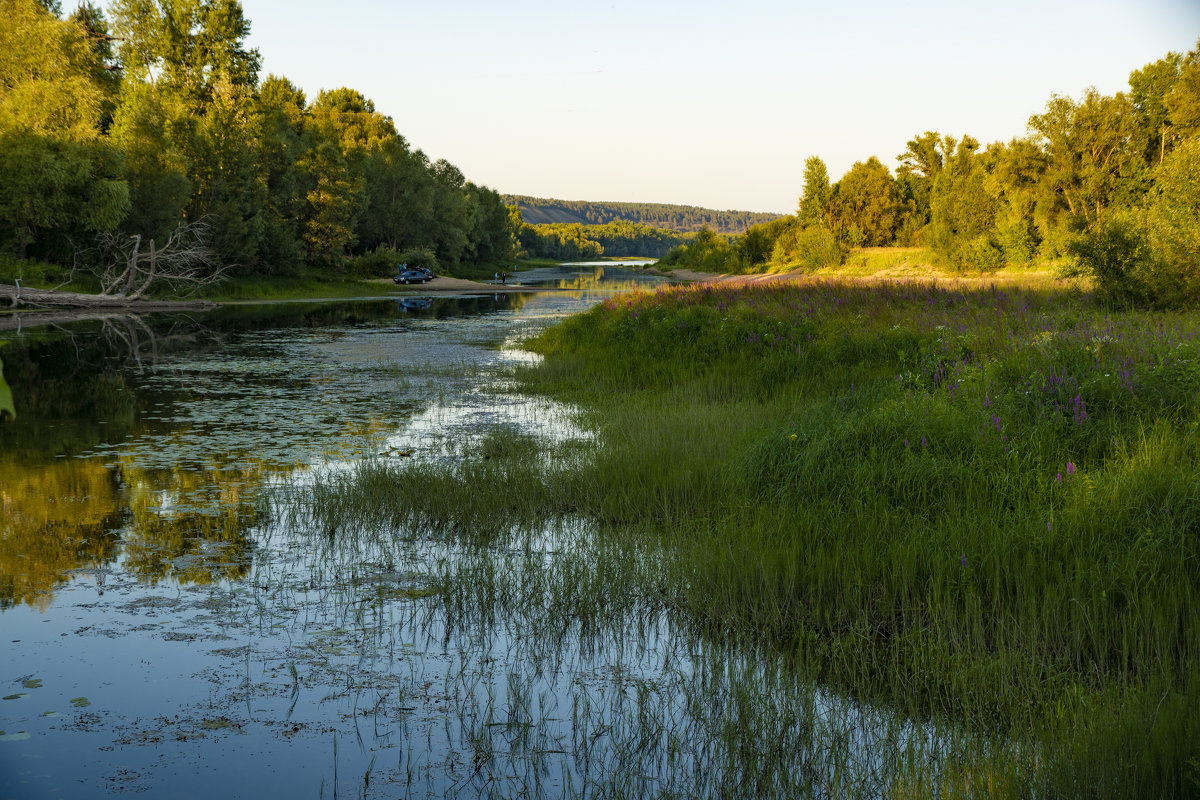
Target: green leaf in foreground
(6, 399)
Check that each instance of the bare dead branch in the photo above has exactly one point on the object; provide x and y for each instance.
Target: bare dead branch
(131, 266)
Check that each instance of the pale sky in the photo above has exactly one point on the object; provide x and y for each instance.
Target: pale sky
(700, 102)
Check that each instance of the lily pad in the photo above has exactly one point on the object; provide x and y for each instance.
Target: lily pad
(32, 683)
(19, 736)
(80, 702)
(16, 696)
(217, 723)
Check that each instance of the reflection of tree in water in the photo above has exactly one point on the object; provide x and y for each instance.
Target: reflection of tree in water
(57, 518)
(75, 385)
(79, 514)
(191, 527)
(66, 374)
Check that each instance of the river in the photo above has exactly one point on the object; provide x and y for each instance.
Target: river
(173, 627)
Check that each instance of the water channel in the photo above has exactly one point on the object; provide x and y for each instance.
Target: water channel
(172, 626)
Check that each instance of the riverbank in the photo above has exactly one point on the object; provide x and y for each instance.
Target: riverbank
(67, 305)
(893, 264)
(974, 503)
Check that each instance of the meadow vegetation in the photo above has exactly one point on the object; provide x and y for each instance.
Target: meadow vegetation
(975, 505)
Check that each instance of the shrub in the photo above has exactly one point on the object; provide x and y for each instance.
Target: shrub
(812, 247)
(1117, 256)
(1150, 257)
(982, 253)
(379, 263)
(418, 257)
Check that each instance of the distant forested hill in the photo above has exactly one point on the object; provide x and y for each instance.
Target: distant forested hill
(538, 211)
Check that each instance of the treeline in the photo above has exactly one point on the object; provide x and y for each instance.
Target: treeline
(1109, 184)
(133, 126)
(574, 242)
(539, 211)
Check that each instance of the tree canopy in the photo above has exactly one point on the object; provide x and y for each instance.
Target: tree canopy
(175, 126)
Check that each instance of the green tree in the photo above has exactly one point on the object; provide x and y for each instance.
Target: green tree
(920, 164)
(1183, 102)
(1092, 160)
(48, 82)
(488, 237)
(280, 142)
(225, 166)
(186, 46)
(155, 169)
(962, 210)
(1148, 90)
(814, 202)
(863, 205)
(1012, 176)
(348, 119)
(1172, 220)
(52, 187)
(103, 66)
(925, 155)
(450, 213)
(335, 200)
(400, 191)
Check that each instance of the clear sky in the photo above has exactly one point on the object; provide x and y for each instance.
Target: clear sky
(705, 103)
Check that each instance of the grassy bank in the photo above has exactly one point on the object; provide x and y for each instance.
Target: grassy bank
(271, 287)
(980, 505)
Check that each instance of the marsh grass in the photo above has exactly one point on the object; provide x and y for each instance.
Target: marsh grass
(975, 508)
(980, 505)
(572, 676)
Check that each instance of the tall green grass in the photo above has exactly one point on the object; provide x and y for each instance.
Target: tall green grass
(979, 505)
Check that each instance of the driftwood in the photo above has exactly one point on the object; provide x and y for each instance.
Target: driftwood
(25, 298)
(128, 267)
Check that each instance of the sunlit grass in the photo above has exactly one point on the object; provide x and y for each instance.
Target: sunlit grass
(976, 508)
(979, 504)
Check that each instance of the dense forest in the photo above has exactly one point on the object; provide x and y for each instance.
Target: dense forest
(574, 241)
(151, 130)
(538, 211)
(1107, 185)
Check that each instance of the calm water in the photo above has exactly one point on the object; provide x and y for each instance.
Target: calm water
(172, 627)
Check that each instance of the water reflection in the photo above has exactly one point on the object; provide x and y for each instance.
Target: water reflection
(57, 518)
(144, 444)
(167, 596)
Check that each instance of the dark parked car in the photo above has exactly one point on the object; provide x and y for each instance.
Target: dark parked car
(413, 275)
